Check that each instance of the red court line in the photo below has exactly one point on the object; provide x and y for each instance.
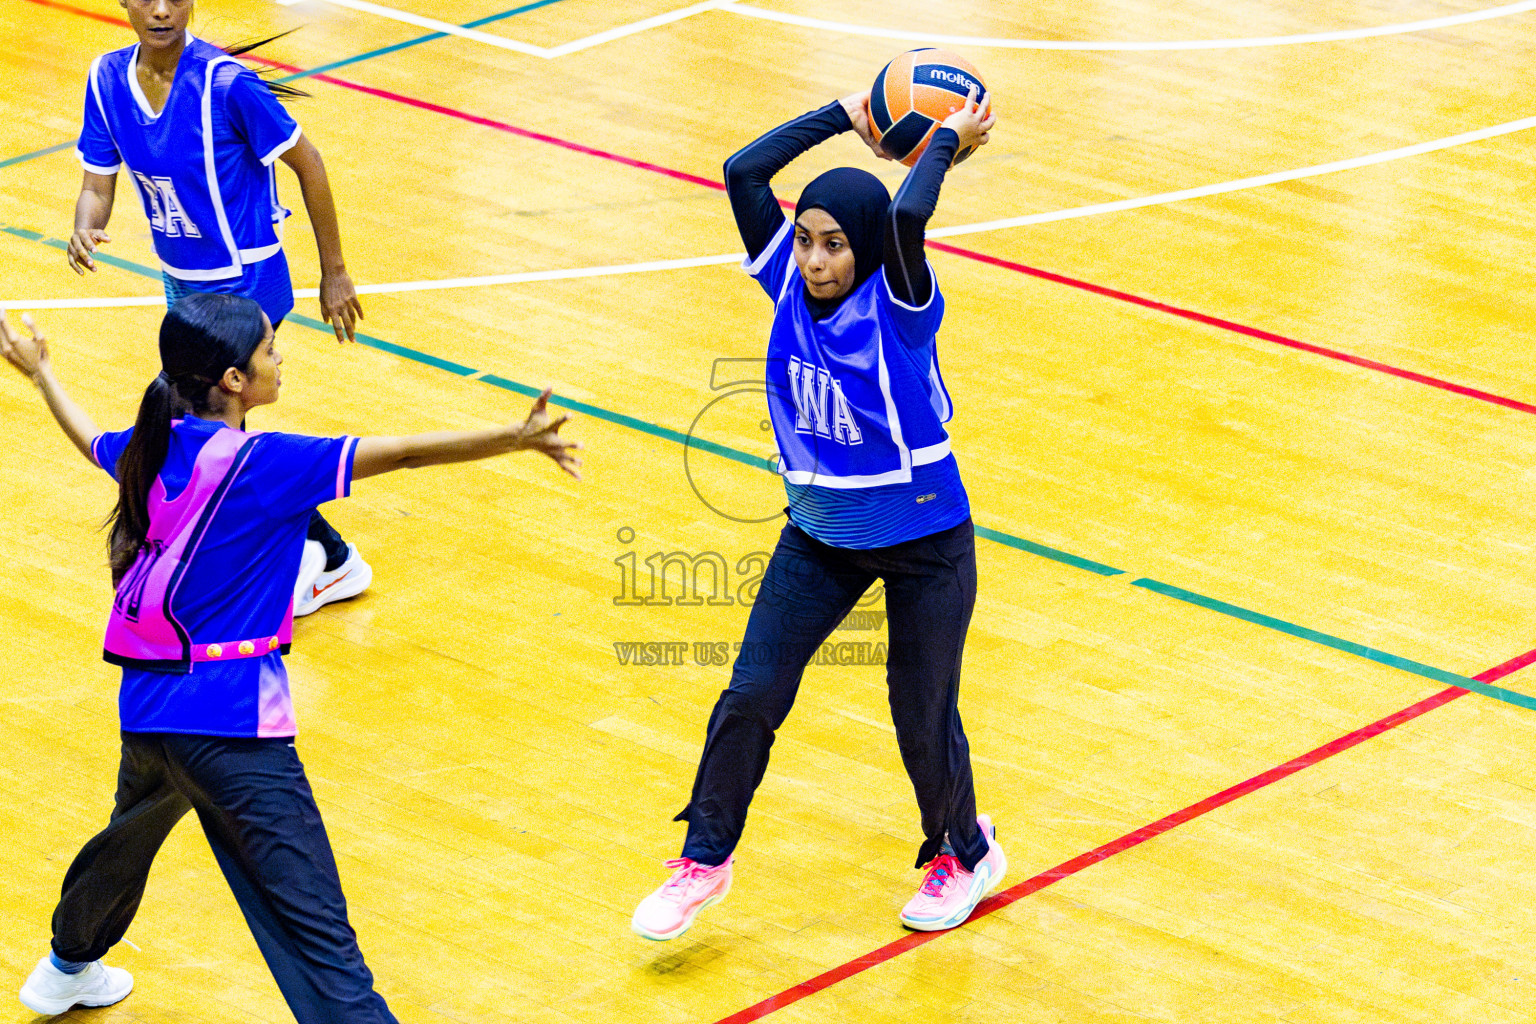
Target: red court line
(954, 250)
(1030, 886)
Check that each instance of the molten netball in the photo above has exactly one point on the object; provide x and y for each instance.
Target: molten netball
(912, 96)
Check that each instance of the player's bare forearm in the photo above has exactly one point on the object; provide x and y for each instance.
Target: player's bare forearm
(377, 455)
(338, 298)
(92, 211)
(539, 433)
(315, 184)
(28, 353)
(73, 420)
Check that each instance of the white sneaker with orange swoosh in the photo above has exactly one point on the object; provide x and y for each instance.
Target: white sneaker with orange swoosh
(348, 579)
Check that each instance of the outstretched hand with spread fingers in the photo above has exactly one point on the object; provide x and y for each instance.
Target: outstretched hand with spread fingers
(541, 433)
(28, 354)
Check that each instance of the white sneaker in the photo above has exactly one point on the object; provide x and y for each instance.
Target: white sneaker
(311, 565)
(50, 991)
(348, 579)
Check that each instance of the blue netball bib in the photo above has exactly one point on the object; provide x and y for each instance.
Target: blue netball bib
(856, 400)
(202, 165)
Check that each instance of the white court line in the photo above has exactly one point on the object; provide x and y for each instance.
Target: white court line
(1073, 213)
(415, 286)
(1507, 128)
(639, 26)
(749, 11)
(545, 52)
(541, 275)
(433, 24)
(1188, 44)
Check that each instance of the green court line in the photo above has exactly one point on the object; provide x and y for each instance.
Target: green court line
(23, 158)
(987, 533)
(322, 69)
(1347, 646)
(1044, 552)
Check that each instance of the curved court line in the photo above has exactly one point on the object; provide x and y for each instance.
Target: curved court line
(528, 49)
(399, 287)
(1072, 213)
(1341, 35)
(1130, 840)
(1259, 181)
(846, 28)
(1020, 268)
(996, 536)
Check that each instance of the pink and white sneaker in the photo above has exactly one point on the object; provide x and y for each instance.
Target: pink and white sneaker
(670, 910)
(949, 892)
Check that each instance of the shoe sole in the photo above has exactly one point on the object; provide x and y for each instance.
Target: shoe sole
(957, 919)
(351, 587)
(687, 922)
(54, 1007)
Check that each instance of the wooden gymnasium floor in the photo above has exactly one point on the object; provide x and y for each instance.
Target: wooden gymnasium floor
(1253, 469)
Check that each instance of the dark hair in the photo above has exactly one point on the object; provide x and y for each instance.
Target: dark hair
(201, 336)
(278, 89)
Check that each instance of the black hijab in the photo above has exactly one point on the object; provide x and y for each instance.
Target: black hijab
(858, 202)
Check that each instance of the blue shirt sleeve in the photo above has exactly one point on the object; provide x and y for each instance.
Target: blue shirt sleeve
(774, 262)
(108, 448)
(293, 473)
(257, 117)
(916, 326)
(96, 149)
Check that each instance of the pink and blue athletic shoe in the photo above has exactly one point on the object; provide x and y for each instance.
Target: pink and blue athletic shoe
(949, 892)
(670, 910)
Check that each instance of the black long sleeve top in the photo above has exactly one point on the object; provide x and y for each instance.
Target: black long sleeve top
(749, 173)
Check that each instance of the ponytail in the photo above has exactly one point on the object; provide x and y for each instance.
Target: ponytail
(201, 337)
(277, 88)
(137, 468)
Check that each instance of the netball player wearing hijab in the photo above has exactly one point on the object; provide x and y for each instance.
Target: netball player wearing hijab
(205, 541)
(200, 134)
(858, 412)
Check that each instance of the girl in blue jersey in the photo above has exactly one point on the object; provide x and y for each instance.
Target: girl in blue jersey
(858, 411)
(205, 539)
(199, 134)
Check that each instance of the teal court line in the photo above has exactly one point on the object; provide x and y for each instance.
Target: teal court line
(987, 533)
(322, 69)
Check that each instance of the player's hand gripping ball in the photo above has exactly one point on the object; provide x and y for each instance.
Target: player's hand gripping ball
(914, 94)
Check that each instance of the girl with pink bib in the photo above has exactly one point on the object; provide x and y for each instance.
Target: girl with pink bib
(205, 543)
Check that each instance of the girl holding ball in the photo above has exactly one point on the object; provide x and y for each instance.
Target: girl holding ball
(858, 410)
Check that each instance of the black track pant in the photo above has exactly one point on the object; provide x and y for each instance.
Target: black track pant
(330, 540)
(260, 817)
(807, 590)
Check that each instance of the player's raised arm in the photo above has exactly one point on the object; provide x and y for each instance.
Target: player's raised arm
(538, 433)
(30, 357)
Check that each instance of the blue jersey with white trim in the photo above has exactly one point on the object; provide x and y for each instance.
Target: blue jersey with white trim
(203, 166)
(858, 408)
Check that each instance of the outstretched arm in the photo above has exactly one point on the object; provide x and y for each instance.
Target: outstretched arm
(906, 260)
(30, 356)
(538, 433)
(749, 171)
(92, 211)
(339, 305)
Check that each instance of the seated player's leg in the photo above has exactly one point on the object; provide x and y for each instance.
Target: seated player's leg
(331, 570)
